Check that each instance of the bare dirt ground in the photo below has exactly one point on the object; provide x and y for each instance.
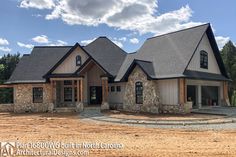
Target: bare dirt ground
(163, 117)
(137, 141)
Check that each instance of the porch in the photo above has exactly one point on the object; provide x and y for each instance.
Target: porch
(77, 93)
(204, 93)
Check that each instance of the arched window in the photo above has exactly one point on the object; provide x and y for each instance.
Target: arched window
(203, 59)
(78, 60)
(139, 92)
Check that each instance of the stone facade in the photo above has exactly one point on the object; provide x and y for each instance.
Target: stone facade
(177, 108)
(6, 107)
(151, 101)
(23, 98)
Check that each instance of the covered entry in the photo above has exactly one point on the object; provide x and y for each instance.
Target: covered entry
(210, 95)
(204, 93)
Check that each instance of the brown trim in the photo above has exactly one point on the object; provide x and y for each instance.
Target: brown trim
(6, 86)
(81, 90)
(225, 91)
(182, 91)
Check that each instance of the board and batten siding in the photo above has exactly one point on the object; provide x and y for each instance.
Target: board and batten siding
(116, 97)
(69, 64)
(94, 76)
(168, 90)
(212, 63)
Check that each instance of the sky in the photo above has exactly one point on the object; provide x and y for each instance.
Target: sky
(128, 23)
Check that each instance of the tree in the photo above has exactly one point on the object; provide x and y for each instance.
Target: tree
(228, 54)
(7, 65)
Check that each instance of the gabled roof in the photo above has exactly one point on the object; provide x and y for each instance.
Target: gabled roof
(107, 54)
(146, 66)
(160, 57)
(171, 53)
(103, 52)
(31, 68)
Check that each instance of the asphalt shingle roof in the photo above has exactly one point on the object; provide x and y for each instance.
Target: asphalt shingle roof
(107, 54)
(33, 67)
(164, 56)
(169, 53)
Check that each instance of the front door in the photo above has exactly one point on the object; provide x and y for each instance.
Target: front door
(95, 95)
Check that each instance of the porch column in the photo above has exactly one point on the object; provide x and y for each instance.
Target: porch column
(182, 91)
(80, 92)
(105, 105)
(53, 95)
(225, 93)
(53, 92)
(199, 96)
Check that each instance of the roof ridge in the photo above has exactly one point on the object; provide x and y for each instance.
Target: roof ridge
(51, 46)
(178, 31)
(123, 51)
(143, 60)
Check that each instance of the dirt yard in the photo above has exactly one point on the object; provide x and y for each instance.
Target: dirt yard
(163, 117)
(137, 141)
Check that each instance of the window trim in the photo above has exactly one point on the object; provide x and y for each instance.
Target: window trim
(139, 92)
(203, 59)
(38, 95)
(78, 57)
(113, 89)
(118, 88)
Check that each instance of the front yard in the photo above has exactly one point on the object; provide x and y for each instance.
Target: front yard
(136, 141)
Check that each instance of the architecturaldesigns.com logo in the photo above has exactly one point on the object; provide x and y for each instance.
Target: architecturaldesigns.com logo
(7, 149)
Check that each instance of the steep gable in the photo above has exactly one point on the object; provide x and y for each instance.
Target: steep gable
(107, 54)
(68, 66)
(169, 53)
(194, 64)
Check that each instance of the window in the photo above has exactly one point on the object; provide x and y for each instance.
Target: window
(68, 94)
(78, 60)
(112, 88)
(118, 88)
(204, 60)
(37, 95)
(139, 92)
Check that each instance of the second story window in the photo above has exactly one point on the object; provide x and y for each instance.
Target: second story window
(203, 60)
(78, 60)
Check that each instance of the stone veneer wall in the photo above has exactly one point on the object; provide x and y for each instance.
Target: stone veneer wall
(23, 98)
(151, 101)
(6, 107)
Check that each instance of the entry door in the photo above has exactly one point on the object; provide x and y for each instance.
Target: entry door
(95, 95)
(191, 95)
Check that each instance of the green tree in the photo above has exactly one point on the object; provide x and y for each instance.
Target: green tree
(228, 54)
(7, 65)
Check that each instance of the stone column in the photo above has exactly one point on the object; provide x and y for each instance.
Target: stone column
(53, 102)
(199, 96)
(105, 105)
(80, 92)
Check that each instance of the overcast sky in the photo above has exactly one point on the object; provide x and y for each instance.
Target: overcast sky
(27, 23)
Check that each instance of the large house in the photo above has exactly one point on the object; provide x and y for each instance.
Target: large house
(164, 75)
